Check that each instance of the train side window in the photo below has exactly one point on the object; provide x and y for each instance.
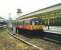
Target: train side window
(27, 22)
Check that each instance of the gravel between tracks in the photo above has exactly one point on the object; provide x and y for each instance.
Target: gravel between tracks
(40, 41)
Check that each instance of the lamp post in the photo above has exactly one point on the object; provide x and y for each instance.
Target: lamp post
(19, 15)
(10, 22)
(14, 23)
(19, 12)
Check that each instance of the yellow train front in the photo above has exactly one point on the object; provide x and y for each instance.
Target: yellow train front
(30, 26)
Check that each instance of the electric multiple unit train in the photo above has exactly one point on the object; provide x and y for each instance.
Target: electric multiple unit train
(30, 25)
(38, 20)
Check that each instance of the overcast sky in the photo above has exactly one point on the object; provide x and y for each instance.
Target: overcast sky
(11, 6)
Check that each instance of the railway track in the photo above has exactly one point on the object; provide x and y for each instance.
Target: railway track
(44, 40)
(52, 37)
(30, 44)
(45, 35)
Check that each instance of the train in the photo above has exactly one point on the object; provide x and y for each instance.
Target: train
(38, 20)
(3, 23)
(30, 25)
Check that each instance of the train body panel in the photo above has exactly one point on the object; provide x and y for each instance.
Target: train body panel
(33, 25)
(30, 27)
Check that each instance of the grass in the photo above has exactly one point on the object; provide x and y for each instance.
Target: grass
(7, 42)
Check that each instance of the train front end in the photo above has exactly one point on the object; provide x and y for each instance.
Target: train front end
(30, 26)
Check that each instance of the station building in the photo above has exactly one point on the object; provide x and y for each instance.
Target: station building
(49, 15)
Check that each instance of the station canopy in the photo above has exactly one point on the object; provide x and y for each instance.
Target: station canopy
(46, 13)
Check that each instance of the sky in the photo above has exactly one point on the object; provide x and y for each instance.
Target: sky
(10, 6)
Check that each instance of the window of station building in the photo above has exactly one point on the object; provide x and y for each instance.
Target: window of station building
(55, 21)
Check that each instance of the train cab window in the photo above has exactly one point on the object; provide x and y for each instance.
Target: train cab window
(36, 21)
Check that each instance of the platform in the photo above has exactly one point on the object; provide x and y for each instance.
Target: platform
(53, 29)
